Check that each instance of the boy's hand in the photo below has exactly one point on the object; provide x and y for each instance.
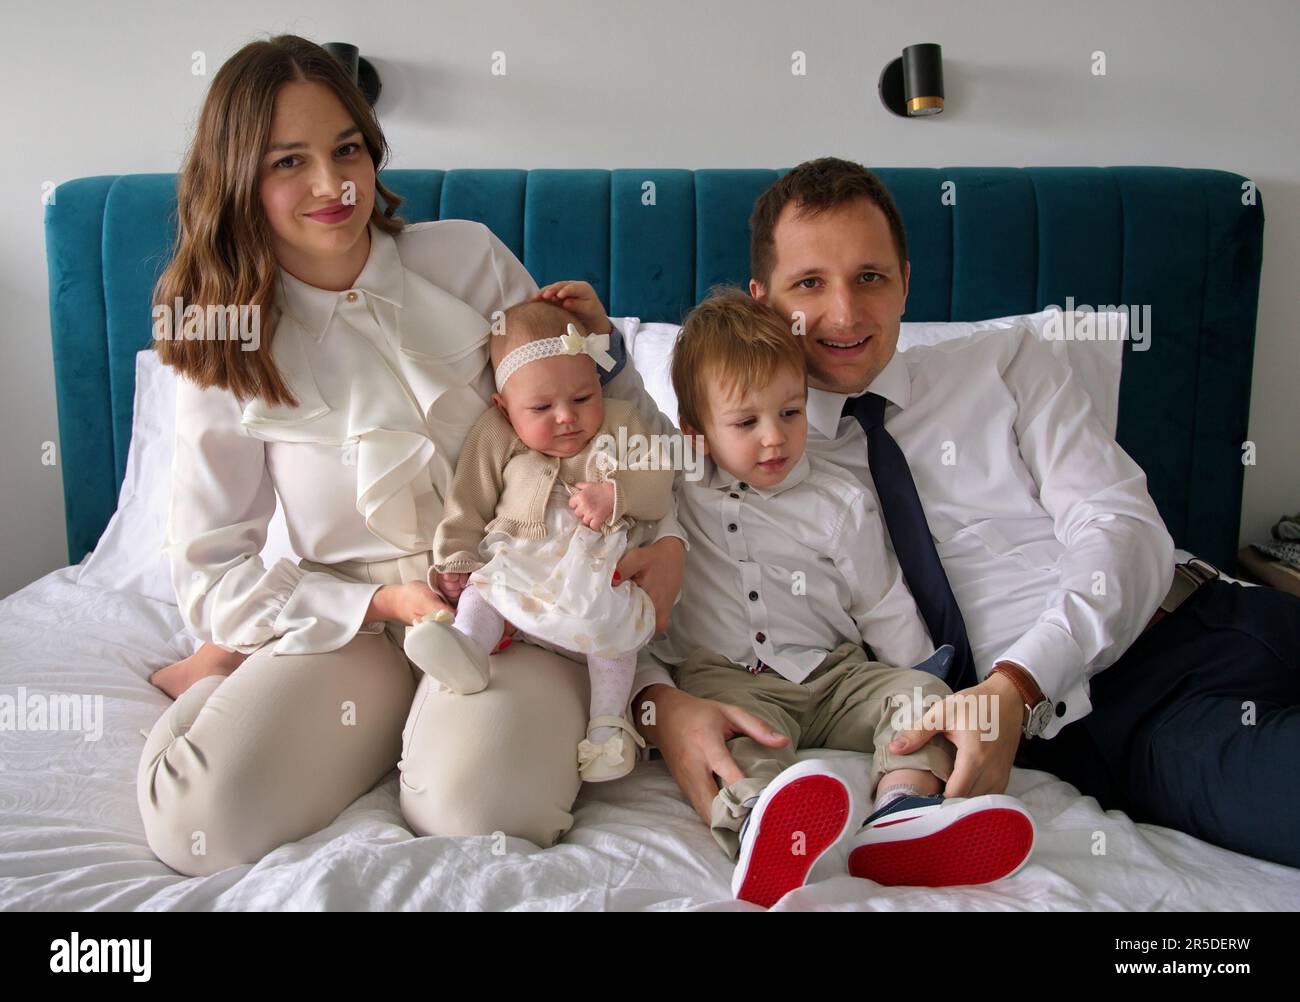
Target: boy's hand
(593, 503)
(452, 585)
(580, 299)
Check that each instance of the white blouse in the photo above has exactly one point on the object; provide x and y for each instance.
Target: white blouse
(389, 377)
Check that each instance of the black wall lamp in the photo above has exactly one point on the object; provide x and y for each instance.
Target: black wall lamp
(912, 85)
(362, 71)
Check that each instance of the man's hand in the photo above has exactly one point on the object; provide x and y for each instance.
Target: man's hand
(983, 766)
(692, 734)
(580, 299)
(593, 503)
(658, 569)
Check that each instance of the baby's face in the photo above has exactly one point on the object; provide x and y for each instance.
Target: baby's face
(757, 434)
(554, 404)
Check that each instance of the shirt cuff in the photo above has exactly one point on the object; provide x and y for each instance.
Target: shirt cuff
(669, 526)
(1056, 664)
(322, 614)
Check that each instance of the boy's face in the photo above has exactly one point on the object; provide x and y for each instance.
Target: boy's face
(841, 270)
(757, 433)
(554, 404)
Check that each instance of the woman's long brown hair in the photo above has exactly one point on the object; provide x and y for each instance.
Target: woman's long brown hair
(223, 249)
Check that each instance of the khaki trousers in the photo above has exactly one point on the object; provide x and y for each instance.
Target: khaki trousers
(845, 703)
(277, 750)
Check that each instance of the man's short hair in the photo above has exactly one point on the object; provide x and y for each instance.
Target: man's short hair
(815, 186)
(736, 339)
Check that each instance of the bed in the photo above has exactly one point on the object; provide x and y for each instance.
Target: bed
(1015, 242)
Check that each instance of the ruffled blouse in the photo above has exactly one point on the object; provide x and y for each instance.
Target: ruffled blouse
(389, 376)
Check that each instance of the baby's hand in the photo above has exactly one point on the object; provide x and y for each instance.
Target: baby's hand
(451, 585)
(593, 503)
(580, 299)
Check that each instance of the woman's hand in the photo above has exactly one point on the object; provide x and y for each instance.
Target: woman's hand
(406, 603)
(692, 735)
(657, 569)
(580, 299)
(593, 503)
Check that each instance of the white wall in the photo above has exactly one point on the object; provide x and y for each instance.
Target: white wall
(95, 88)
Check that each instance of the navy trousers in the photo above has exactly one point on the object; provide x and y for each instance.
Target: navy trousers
(1197, 726)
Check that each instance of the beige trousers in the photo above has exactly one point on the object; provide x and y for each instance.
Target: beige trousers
(277, 750)
(845, 703)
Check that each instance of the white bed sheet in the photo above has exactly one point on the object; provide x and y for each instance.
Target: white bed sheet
(71, 838)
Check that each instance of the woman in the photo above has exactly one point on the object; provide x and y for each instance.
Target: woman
(370, 369)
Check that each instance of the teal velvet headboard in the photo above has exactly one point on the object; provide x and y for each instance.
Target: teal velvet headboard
(1015, 241)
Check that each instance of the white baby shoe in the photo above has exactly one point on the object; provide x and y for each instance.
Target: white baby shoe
(445, 654)
(613, 758)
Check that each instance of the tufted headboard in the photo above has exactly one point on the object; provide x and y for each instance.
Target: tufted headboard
(1004, 241)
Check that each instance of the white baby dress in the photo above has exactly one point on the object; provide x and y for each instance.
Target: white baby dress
(559, 589)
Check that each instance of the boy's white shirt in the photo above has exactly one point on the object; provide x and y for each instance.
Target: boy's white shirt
(785, 574)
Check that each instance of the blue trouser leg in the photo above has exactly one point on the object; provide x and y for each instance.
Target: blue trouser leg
(1197, 726)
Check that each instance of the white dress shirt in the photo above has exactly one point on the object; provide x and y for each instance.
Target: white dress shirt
(785, 574)
(389, 376)
(1053, 547)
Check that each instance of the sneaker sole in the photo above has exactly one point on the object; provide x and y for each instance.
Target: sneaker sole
(819, 807)
(945, 858)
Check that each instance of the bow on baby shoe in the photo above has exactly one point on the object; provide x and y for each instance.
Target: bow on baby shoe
(609, 752)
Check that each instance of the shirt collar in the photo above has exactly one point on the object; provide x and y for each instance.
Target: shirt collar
(825, 406)
(720, 479)
(381, 278)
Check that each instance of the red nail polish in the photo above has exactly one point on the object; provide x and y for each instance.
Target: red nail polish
(617, 577)
(505, 642)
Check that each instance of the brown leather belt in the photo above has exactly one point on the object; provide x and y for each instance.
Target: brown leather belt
(1187, 578)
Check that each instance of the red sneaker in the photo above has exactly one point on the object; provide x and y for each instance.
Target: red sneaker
(933, 842)
(799, 815)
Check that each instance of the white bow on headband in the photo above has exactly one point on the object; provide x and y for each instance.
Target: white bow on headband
(570, 343)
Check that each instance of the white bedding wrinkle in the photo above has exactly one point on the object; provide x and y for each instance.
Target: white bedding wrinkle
(71, 837)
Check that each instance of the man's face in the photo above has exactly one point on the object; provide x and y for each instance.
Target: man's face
(841, 270)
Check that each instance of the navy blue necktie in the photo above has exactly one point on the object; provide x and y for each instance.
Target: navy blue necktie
(910, 533)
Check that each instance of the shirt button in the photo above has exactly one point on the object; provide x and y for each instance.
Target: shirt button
(734, 496)
(731, 527)
(744, 487)
(1060, 709)
(760, 637)
(753, 596)
(352, 297)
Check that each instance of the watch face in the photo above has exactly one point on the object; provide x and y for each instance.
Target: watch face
(1038, 718)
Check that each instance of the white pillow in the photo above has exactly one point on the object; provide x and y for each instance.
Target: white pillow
(129, 555)
(1096, 364)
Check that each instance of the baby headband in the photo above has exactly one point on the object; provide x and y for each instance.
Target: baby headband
(571, 343)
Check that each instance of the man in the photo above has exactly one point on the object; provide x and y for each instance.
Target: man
(1043, 562)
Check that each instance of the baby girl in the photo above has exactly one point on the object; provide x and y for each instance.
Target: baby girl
(539, 514)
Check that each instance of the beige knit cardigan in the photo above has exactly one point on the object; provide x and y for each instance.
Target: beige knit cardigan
(501, 485)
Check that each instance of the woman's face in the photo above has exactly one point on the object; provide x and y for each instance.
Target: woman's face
(317, 159)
